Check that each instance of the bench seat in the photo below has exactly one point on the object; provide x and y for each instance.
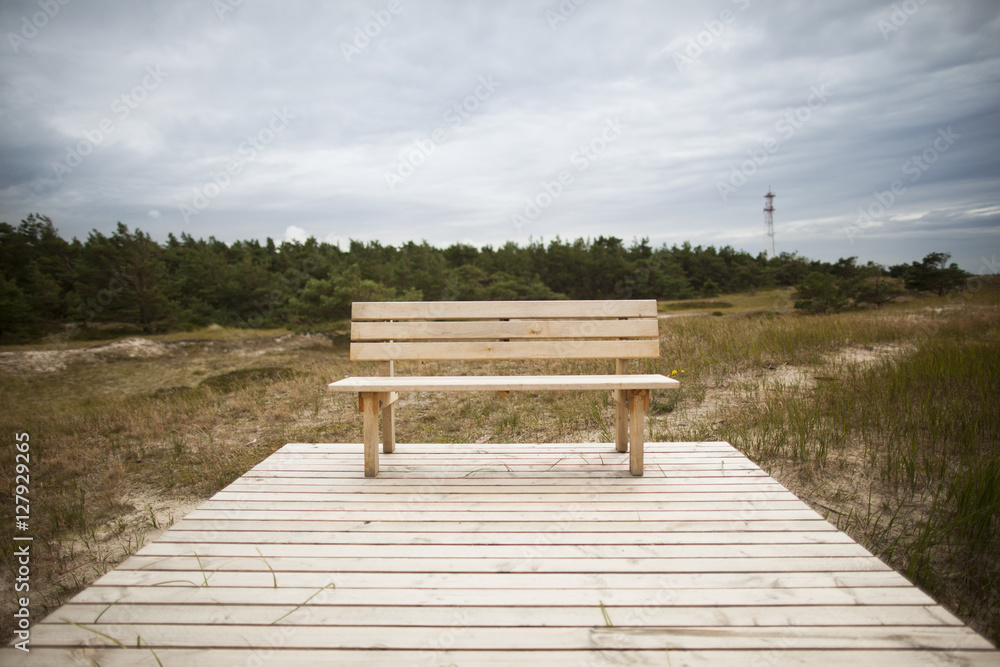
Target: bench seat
(502, 383)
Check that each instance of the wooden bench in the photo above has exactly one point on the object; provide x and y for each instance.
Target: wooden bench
(503, 330)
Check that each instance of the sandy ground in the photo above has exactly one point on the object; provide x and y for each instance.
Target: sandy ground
(52, 361)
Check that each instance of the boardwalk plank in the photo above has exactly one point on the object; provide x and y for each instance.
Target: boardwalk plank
(481, 616)
(234, 588)
(433, 657)
(275, 552)
(235, 521)
(209, 512)
(417, 638)
(523, 563)
(310, 502)
(180, 535)
(530, 580)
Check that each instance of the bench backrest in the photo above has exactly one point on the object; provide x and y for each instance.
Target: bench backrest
(493, 330)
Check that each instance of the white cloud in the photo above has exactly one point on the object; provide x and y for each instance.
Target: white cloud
(293, 233)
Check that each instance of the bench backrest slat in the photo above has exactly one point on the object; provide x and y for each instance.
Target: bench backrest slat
(510, 329)
(492, 310)
(483, 350)
(496, 330)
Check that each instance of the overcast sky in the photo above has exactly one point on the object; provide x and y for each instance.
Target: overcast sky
(876, 124)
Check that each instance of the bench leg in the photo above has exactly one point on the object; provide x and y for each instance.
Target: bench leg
(638, 401)
(621, 421)
(369, 433)
(388, 369)
(621, 409)
(389, 428)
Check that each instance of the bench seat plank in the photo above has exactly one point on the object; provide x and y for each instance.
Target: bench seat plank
(502, 350)
(503, 383)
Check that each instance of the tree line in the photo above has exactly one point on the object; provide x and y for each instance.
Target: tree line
(49, 285)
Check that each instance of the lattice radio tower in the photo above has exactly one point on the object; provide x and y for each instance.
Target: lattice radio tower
(769, 217)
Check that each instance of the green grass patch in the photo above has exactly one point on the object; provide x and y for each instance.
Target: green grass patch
(215, 332)
(695, 305)
(245, 377)
(775, 300)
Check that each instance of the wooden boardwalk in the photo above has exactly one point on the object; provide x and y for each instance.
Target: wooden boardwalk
(503, 555)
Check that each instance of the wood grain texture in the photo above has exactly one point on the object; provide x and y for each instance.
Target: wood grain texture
(537, 567)
(505, 350)
(388, 369)
(621, 410)
(369, 432)
(503, 383)
(491, 310)
(438, 656)
(638, 403)
(493, 330)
